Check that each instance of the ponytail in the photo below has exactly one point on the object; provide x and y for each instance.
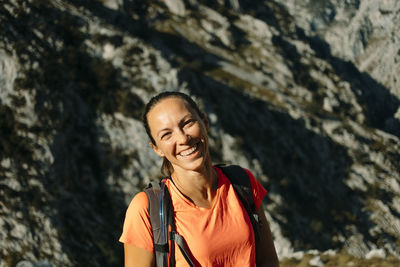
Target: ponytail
(166, 168)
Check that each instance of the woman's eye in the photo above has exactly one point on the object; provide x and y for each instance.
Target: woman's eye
(189, 122)
(165, 135)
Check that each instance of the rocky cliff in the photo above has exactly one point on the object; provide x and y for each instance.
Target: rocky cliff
(303, 93)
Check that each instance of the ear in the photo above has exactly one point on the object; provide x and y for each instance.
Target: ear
(156, 149)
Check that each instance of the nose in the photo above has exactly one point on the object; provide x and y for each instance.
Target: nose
(183, 137)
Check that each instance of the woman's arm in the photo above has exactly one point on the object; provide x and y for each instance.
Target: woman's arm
(138, 257)
(265, 249)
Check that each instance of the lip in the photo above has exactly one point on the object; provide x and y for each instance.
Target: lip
(191, 155)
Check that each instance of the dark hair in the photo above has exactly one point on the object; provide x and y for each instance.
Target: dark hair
(166, 168)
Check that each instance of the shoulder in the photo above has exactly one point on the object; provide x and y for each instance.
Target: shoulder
(140, 199)
(137, 226)
(253, 181)
(139, 204)
(249, 173)
(235, 173)
(257, 190)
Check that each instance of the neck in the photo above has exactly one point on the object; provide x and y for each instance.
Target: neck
(198, 186)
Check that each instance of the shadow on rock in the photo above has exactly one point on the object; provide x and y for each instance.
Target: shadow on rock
(74, 88)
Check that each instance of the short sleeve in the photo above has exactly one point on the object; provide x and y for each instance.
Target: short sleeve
(137, 228)
(259, 191)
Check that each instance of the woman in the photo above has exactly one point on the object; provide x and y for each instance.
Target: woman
(207, 211)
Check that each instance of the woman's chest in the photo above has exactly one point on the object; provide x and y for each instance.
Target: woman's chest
(218, 235)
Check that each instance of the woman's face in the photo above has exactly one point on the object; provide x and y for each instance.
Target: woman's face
(180, 134)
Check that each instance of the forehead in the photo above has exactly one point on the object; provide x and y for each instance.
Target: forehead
(169, 107)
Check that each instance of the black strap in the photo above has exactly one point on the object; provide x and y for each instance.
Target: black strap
(153, 192)
(153, 195)
(170, 224)
(173, 235)
(180, 241)
(161, 247)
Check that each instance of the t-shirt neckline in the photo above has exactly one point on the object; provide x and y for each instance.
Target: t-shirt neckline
(181, 196)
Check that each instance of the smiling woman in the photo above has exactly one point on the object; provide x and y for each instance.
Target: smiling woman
(180, 134)
(207, 211)
(193, 113)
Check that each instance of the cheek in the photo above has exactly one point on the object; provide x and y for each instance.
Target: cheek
(168, 147)
(198, 132)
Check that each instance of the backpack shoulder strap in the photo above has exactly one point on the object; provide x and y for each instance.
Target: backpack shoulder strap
(241, 183)
(153, 192)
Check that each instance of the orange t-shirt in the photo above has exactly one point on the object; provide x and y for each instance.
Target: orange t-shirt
(219, 236)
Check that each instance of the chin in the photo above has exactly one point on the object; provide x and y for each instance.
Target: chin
(194, 165)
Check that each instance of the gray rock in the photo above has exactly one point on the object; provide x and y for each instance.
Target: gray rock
(303, 93)
(33, 264)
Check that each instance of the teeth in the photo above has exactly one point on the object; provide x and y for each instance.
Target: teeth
(189, 151)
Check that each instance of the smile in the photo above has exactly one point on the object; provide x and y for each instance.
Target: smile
(189, 151)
